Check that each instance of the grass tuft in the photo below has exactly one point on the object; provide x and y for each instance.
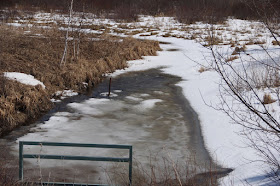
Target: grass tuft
(267, 99)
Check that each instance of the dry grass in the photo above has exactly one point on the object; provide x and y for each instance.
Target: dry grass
(202, 69)
(212, 40)
(267, 99)
(249, 42)
(168, 34)
(40, 56)
(259, 42)
(231, 58)
(19, 103)
(237, 50)
(275, 42)
(169, 172)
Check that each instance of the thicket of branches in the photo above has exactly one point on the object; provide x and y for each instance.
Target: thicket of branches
(184, 10)
(248, 89)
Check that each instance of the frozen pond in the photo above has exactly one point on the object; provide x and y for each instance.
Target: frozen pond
(146, 109)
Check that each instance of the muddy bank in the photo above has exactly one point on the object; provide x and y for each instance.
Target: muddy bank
(40, 56)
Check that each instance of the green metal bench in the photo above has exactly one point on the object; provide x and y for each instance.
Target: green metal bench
(62, 157)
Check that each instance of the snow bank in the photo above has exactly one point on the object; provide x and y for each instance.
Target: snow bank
(23, 78)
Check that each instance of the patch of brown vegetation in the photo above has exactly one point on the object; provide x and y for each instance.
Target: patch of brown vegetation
(259, 42)
(231, 58)
(40, 56)
(19, 103)
(275, 42)
(212, 40)
(267, 99)
(202, 69)
(237, 50)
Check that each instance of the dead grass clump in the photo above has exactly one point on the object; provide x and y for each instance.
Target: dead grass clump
(275, 42)
(259, 42)
(249, 42)
(237, 50)
(135, 49)
(134, 32)
(267, 99)
(202, 69)
(212, 40)
(231, 58)
(168, 34)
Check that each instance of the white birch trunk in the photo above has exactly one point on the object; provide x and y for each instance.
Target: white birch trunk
(64, 57)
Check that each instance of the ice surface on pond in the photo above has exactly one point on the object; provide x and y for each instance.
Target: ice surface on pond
(147, 104)
(137, 119)
(132, 98)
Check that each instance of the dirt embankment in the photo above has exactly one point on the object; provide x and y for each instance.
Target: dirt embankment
(39, 52)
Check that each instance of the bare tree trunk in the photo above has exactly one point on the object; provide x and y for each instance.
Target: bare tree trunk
(64, 57)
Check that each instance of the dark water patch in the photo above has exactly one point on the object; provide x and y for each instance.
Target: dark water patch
(173, 50)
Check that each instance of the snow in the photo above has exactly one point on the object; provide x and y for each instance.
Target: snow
(66, 93)
(23, 78)
(132, 98)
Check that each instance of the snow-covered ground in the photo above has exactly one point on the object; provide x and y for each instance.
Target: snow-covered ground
(184, 57)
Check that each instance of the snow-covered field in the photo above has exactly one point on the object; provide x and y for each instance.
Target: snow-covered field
(184, 57)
